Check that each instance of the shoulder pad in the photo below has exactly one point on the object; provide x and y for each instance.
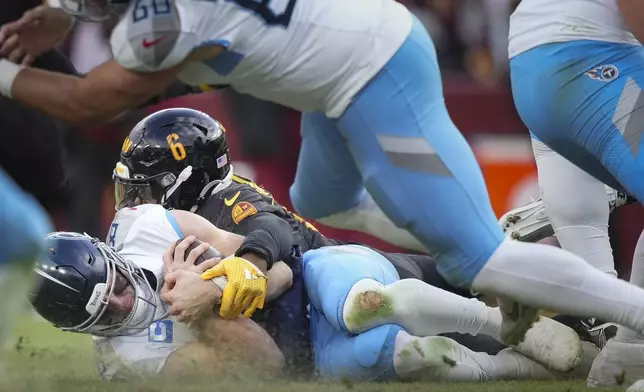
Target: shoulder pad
(149, 39)
(251, 185)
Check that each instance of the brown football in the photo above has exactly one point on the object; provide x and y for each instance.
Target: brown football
(209, 254)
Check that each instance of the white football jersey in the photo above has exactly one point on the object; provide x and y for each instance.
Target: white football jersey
(141, 235)
(309, 55)
(538, 22)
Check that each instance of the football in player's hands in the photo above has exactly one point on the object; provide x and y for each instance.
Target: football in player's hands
(220, 281)
(208, 254)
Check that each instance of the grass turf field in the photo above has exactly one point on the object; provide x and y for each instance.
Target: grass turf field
(40, 358)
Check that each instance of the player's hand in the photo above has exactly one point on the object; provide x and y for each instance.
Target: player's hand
(173, 257)
(36, 32)
(190, 297)
(246, 288)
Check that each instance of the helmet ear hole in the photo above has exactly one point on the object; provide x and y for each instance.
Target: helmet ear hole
(167, 180)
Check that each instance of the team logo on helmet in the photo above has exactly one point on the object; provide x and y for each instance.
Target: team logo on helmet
(127, 145)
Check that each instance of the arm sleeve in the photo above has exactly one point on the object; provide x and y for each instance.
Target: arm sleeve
(268, 236)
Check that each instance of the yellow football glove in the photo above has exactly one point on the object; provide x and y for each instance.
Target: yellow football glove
(246, 288)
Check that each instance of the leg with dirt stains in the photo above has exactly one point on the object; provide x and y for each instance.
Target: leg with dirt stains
(388, 352)
(424, 310)
(437, 358)
(356, 289)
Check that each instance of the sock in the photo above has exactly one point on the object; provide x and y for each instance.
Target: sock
(420, 308)
(624, 334)
(577, 206)
(545, 277)
(437, 358)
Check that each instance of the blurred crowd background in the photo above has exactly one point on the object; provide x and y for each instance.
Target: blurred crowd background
(471, 41)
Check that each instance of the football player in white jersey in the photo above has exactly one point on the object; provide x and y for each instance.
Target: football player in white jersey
(577, 70)
(375, 128)
(115, 295)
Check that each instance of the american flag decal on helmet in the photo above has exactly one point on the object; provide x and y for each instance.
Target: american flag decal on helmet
(222, 160)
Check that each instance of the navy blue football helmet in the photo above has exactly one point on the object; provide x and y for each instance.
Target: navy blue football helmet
(80, 281)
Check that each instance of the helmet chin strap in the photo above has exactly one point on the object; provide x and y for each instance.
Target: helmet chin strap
(183, 177)
(216, 186)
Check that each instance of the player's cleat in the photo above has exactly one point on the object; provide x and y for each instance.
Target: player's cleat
(552, 344)
(617, 199)
(600, 332)
(617, 364)
(590, 352)
(591, 330)
(530, 222)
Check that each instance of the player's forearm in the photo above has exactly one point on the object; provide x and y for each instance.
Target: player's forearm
(258, 261)
(280, 279)
(66, 97)
(269, 237)
(633, 14)
(192, 224)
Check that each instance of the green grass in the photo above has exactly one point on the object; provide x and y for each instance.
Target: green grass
(42, 359)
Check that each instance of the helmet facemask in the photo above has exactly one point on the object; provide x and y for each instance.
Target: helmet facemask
(145, 302)
(130, 191)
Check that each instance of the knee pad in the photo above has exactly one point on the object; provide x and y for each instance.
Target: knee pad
(331, 273)
(572, 197)
(577, 205)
